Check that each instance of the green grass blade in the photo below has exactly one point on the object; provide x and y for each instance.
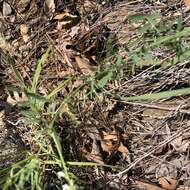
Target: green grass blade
(183, 33)
(159, 95)
(56, 140)
(80, 164)
(64, 103)
(89, 164)
(39, 68)
(59, 88)
(17, 74)
(105, 79)
(29, 114)
(37, 97)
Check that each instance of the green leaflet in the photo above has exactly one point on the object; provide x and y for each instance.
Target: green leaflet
(159, 95)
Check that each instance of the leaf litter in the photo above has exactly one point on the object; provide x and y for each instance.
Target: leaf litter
(113, 131)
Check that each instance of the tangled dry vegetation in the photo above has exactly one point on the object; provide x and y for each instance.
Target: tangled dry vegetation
(94, 94)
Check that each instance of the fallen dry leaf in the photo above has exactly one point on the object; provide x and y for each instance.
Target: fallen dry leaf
(66, 16)
(122, 148)
(187, 3)
(180, 145)
(111, 142)
(94, 155)
(124, 136)
(166, 170)
(107, 146)
(83, 65)
(167, 183)
(109, 138)
(94, 134)
(74, 31)
(16, 98)
(147, 186)
(66, 20)
(113, 135)
(2, 117)
(61, 24)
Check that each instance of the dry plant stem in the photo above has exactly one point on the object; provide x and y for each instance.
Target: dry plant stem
(177, 109)
(133, 164)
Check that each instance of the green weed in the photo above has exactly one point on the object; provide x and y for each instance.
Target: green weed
(159, 95)
(42, 112)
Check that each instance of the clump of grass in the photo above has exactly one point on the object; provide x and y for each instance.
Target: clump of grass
(30, 171)
(42, 112)
(158, 41)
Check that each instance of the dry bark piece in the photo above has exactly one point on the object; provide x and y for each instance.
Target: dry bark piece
(50, 4)
(22, 5)
(7, 10)
(24, 32)
(147, 186)
(167, 183)
(83, 65)
(2, 117)
(89, 6)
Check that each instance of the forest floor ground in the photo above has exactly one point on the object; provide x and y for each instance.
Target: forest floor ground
(94, 94)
